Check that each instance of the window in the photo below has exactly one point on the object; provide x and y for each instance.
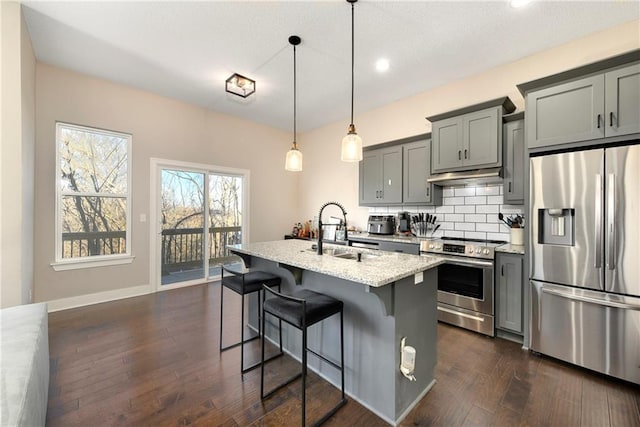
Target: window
(93, 199)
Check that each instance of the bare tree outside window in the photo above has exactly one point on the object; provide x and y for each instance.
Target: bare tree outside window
(93, 178)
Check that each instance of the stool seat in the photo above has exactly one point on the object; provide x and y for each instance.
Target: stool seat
(318, 307)
(250, 282)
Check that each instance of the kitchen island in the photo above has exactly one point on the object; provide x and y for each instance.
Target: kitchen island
(387, 296)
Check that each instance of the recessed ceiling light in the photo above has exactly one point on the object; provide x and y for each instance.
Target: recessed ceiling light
(382, 65)
(519, 3)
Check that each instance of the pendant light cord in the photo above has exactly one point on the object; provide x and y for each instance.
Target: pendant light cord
(352, 59)
(294, 97)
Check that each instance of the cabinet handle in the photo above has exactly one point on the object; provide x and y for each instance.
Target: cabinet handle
(598, 120)
(465, 153)
(509, 187)
(459, 154)
(427, 191)
(611, 119)
(502, 270)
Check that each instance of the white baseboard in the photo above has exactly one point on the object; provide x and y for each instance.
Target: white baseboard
(106, 296)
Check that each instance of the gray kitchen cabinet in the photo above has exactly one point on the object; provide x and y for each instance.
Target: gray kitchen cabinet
(469, 138)
(416, 168)
(509, 291)
(601, 105)
(381, 176)
(514, 158)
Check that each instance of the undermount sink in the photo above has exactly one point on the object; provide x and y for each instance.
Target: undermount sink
(343, 253)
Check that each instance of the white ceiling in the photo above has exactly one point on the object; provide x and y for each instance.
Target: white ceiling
(186, 50)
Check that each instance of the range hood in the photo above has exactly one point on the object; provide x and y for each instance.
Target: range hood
(477, 176)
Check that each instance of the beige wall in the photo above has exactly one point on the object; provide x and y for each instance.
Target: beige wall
(332, 179)
(161, 128)
(17, 94)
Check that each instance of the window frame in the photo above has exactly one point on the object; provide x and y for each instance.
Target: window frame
(61, 263)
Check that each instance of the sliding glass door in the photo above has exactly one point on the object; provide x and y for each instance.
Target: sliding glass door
(200, 216)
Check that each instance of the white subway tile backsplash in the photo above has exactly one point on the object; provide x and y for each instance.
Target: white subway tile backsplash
(448, 192)
(465, 191)
(488, 209)
(488, 227)
(475, 200)
(499, 236)
(454, 217)
(465, 226)
(489, 190)
(465, 209)
(446, 225)
(494, 200)
(475, 235)
(475, 218)
(455, 234)
(453, 200)
(511, 209)
(445, 209)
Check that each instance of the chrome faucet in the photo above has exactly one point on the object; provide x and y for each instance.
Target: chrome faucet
(344, 215)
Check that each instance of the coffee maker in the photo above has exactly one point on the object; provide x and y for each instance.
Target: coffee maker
(404, 222)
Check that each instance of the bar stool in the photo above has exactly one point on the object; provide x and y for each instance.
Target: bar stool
(301, 310)
(244, 284)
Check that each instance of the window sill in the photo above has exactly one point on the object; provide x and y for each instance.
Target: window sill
(78, 264)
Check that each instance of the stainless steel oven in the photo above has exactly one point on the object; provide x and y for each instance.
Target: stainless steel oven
(465, 282)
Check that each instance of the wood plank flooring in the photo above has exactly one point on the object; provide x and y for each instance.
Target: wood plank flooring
(154, 360)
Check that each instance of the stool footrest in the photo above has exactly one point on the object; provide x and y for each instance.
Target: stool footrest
(284, 384)
(257, 364)
(331, 362)
(330, 413)
(238, 343)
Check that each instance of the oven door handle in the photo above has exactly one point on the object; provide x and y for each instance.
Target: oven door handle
(465, 262)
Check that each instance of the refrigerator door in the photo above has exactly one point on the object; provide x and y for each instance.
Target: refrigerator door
(567, 249)
(592, 329)
(622, 220)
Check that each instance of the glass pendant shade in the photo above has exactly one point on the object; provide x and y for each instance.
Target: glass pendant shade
(351, 146)
(293, 162)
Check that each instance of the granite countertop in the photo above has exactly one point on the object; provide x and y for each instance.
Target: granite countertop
(378, 268)
(511, 249)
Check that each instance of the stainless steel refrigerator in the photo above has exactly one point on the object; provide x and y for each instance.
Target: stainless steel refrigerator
(585, 259)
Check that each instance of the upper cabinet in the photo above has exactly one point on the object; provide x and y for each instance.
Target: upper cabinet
(514, 158)
(381, 176)
(599, 100)
(395, 173)
(469, 138)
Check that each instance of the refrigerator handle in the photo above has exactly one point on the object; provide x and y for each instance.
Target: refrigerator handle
(598, 222)
(611, 223)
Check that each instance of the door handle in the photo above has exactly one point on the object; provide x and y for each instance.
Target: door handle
(611, 222)
(502, 270)
(584, 298)
(598, 121)
(598, 221)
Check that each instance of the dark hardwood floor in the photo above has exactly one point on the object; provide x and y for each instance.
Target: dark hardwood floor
(154, 360)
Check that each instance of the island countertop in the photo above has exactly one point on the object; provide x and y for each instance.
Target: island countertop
(377, 268)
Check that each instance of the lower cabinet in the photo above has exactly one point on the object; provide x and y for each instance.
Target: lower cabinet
(509, 292)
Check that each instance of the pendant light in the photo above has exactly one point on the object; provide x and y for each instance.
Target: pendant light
(352, 143)
(293, 161)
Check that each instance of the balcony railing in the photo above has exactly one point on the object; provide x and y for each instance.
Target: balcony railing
(182, 248)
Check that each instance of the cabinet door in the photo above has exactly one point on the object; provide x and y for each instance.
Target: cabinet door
(509, 289)
(447, 144)
(415, 171)
(482, 138)
(622, 101)
(514, 157)
(565, 113)
(392, 174)
(370, 178)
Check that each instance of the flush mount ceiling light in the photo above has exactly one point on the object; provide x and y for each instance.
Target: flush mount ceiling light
(240, 85)
(293, 162)
(382, 65)
(352, 143)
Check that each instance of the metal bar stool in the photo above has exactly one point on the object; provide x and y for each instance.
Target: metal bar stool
(301, 310)
(244, 284)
